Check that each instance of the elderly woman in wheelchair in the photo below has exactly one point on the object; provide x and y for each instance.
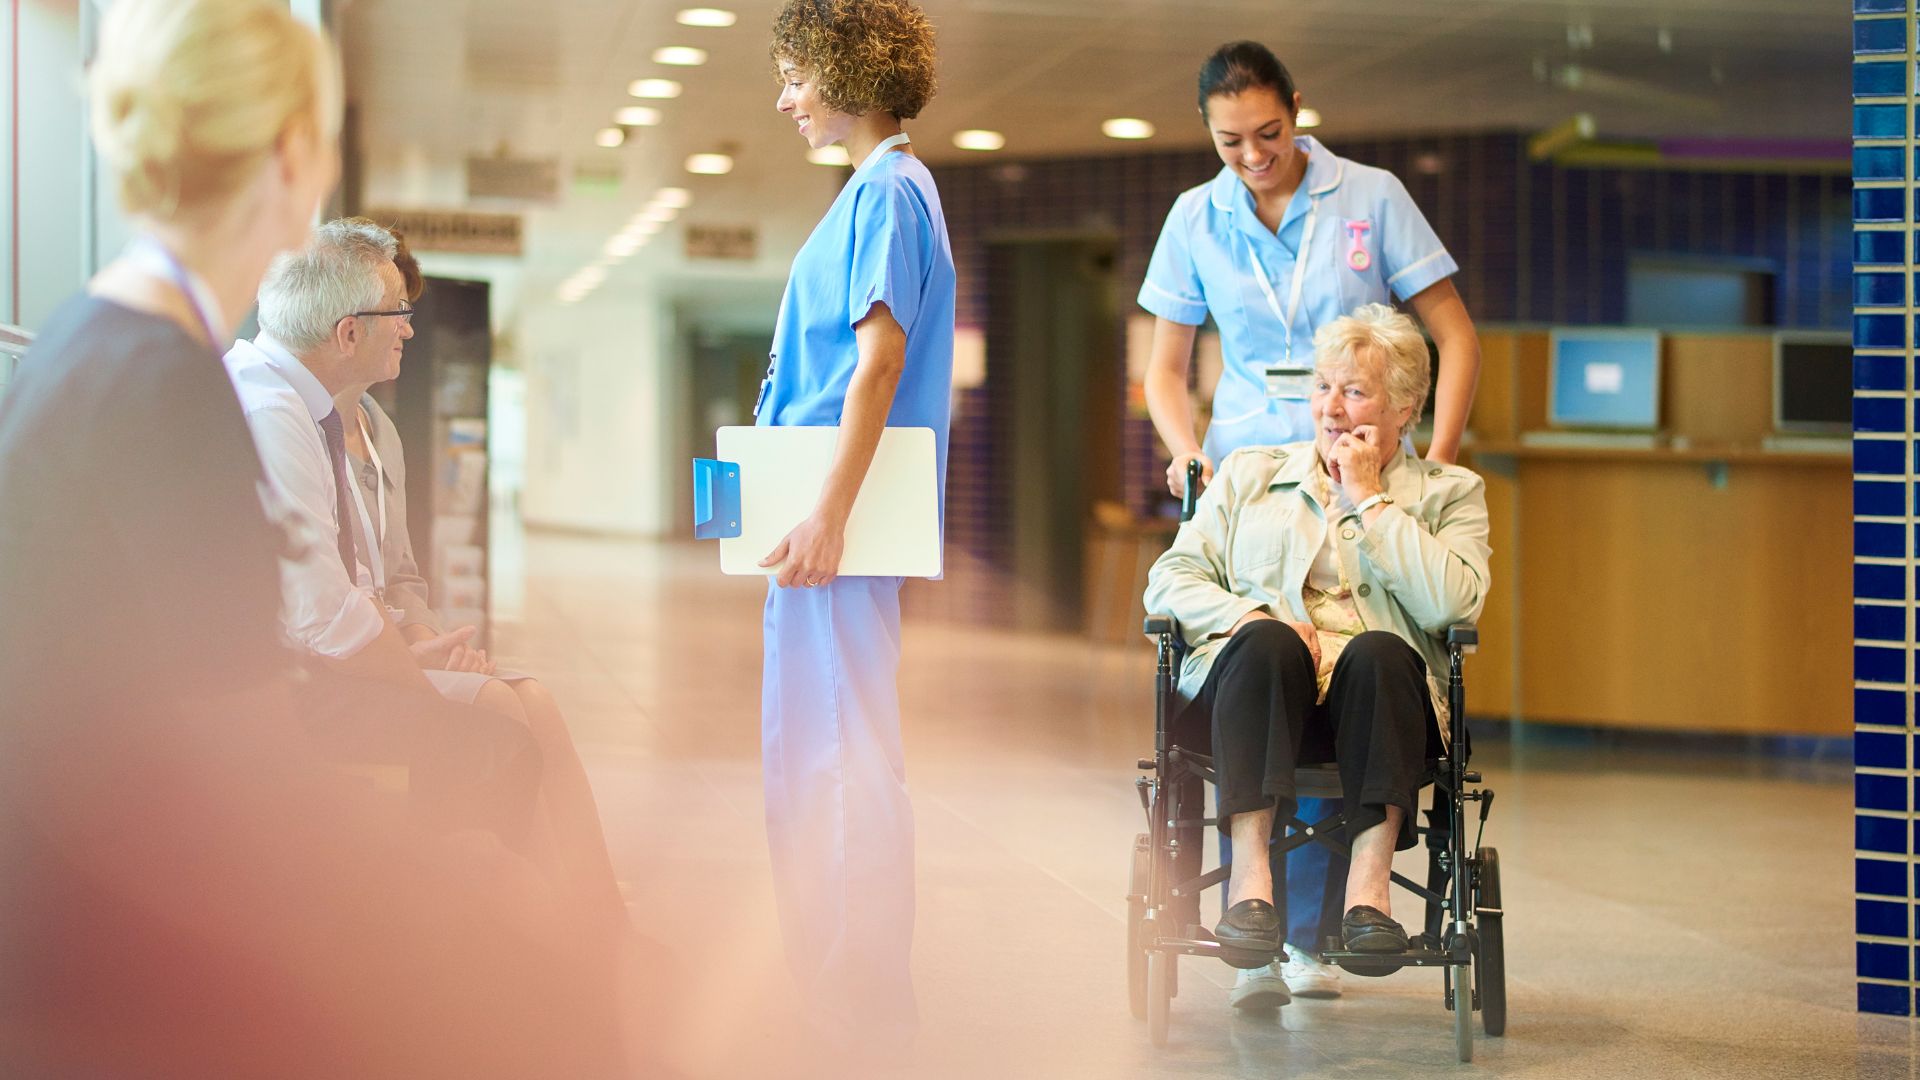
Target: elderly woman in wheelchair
(1314, 587)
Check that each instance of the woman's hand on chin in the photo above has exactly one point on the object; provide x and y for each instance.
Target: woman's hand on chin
(1355, 461)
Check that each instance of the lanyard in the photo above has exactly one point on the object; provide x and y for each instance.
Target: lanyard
(155, 256)
(1299, 274)
(376, 564)
(898, 140)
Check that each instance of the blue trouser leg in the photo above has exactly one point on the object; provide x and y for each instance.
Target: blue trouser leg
(839, 823)
(1315, 882)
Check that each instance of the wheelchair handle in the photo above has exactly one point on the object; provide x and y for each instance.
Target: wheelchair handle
(1192, 494)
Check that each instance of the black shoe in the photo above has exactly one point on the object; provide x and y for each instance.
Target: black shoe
(1250, 934)
(1369, 930)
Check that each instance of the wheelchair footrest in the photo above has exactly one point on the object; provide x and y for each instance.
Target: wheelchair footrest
(1375, 965)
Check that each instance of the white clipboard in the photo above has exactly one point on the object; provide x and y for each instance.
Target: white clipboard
(894, 530)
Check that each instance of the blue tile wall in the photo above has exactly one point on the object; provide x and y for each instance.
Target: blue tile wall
(1880, 877)
(1882, 247)
(1879, 80)
(1886, 472)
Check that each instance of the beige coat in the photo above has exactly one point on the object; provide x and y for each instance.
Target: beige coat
(1419, 569)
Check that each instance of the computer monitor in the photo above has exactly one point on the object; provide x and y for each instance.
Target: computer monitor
(1604, 380)
(1813, 382)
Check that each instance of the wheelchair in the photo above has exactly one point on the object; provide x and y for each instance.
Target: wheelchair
(1462, 932)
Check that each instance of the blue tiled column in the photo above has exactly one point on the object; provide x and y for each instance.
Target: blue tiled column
(1886, 834)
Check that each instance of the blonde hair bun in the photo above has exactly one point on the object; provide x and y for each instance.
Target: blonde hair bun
(190, 96)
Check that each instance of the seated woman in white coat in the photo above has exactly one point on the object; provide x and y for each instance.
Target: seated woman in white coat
(1315, 585)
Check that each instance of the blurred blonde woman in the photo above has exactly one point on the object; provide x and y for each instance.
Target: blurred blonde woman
(187, 895)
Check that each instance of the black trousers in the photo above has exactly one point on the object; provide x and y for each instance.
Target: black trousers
(1377, 724)
(467, 767)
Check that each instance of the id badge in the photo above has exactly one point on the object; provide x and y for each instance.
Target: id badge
(1291, 383)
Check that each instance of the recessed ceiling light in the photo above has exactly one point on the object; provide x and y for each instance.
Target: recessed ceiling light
(636, 116)
(704, 17)
(1308, 118)
(977, 139)
(710, 164)
(647, 227)
(610, 137)
(1127, 128)
(677, 197)
(653, 88)
(592, 277)
(830, 155)
(623, 245)
(680, 56)
(659, 213)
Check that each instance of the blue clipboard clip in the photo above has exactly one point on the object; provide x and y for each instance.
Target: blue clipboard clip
(716, 499)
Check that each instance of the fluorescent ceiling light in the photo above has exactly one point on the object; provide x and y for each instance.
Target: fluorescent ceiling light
(646, 227)
(624, 245)
(705, 17)
(680, 56)
(610, 137)
(636, 116)
(677, 197)
(710, 164)
(830, 155)
(977, 139)
(653, 88)
(1308, 118)
(659, 213)
(1127, 127)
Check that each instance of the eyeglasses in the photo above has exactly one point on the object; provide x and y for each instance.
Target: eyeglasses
(404, 314)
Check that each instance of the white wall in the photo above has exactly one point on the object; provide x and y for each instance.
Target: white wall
(52, 140)
(599, 398)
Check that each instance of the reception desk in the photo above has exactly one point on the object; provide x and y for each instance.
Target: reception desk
(1700, 586)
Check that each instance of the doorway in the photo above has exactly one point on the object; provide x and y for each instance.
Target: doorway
(1055, 363)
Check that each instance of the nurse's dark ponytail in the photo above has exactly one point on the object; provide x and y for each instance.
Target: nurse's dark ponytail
(1240, 66)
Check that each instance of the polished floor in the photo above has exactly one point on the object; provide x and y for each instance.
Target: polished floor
(1668, 916)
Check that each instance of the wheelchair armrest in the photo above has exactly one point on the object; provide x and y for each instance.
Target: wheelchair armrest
(1159, 625)
(1463, 636)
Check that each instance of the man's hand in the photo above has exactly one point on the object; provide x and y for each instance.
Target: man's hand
(811, 553)
(450, 652)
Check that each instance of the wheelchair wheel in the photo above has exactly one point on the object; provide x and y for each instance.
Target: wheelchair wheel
(1490, 956)
(1159, 994)
(1137, 929)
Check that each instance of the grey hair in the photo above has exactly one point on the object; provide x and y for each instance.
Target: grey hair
(1388, 336)
(307, 292)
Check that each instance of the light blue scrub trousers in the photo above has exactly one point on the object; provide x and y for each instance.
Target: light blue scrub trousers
(839, 823)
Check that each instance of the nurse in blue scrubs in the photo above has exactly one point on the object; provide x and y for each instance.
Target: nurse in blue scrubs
(864, 341)
(1286, 238)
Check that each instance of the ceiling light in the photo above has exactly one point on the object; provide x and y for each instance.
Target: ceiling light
(659, 213)
(653, 88)
(646, 227)
(830, 155)
(976, 139)
(1308, 118)
(703, 16)
(1127, 128)
(610, 137)
(636, 116)
(710, 164)
(624, 245)
(677, 197)
(680, 56)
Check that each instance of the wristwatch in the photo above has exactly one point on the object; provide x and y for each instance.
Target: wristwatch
(1378, 498)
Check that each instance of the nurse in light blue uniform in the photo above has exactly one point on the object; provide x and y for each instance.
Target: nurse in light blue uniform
(864, 341)
(1286, 238)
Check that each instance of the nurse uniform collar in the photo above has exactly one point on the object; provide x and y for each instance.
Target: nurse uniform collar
(881, 150)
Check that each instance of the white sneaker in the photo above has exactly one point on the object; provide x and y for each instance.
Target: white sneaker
(1307, 977)
(1259, 988)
